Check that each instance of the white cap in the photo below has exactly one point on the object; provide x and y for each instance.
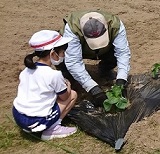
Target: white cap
(47, 40)
(95, 30)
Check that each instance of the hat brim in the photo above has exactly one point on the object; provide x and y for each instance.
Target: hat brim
(60, 42)
(99, 42)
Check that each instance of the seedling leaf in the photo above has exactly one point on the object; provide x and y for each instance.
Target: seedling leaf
(107, 106)
(155, 70)
(114, 97)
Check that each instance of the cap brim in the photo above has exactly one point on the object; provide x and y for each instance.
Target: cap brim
(60, 42)
(97, 43)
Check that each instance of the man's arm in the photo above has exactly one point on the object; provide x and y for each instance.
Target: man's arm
(122, 53)
(74, 61)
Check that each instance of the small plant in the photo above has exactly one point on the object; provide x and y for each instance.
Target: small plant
(155, 70)
(115, 98)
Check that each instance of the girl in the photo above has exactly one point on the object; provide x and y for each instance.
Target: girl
(44, 97)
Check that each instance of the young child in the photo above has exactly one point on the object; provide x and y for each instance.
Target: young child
(44, 97)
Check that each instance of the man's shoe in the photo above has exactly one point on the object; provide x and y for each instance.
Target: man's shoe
(58, 132)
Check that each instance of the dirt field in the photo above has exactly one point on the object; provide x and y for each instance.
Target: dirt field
(19, 19)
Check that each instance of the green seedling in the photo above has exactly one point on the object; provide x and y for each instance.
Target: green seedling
(155, 70)
(115, 98)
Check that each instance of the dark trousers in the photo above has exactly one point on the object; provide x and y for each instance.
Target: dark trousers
(107, 63)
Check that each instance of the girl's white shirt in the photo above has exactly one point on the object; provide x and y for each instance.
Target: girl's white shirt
(38, 89)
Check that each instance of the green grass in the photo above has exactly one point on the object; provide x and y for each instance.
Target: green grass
(11, 136)
(7, 137)
(157, 151)
(14, 139)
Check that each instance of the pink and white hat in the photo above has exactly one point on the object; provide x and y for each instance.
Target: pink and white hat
(47, 40)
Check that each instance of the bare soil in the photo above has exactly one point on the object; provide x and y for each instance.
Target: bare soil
(19, 19)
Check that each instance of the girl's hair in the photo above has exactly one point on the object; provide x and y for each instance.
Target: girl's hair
(28, 60)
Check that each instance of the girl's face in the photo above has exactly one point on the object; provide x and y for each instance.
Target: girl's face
(55, 56)
(59, 52)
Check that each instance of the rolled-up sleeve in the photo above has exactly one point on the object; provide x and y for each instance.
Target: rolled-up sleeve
(122, 53)
(74, 61)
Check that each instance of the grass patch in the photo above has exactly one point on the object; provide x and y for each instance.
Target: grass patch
(15, 140)
(12, 136)
(7, 137)
(157, 151)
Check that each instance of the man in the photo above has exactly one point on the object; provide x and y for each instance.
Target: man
(96, 35)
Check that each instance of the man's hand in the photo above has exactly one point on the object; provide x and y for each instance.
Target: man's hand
(122, 82)
(98, 96)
